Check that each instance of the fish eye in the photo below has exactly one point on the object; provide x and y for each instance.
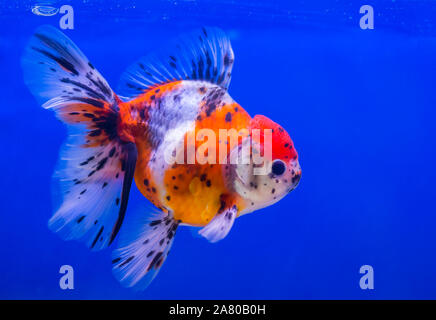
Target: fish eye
(278, 167)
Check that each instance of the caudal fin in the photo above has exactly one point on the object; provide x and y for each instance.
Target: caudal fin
(96, 167)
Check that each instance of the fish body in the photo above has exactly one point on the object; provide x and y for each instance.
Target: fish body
(173, 103)
(181, 106)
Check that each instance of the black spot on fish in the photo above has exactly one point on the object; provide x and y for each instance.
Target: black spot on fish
(60, 60)
(112, 152)
(222, 205)
(98, 236)
(228, 117)
(87, 161)
(97, 82)
(210, 108)
(89, 115)
(154, 261)
(91, 92)
(227, 60)
(94, 102)
(95, 133)
(127, 261)
(101, 164)
(155, 223)
(296, 178)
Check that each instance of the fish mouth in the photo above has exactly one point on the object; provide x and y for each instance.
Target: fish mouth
(295, 181)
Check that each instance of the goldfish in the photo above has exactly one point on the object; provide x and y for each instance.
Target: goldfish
(115, 139)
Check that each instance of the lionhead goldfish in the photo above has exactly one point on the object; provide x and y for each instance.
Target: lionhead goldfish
(117, 138)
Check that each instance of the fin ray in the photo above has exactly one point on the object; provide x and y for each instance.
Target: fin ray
(205, 54)
(145, 243)
(90, 184)
(96, 167)
(57, 72)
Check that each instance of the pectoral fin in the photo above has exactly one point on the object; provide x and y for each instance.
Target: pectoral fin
(220, 225)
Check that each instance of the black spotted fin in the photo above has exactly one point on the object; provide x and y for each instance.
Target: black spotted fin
(144, 244)
(218, 228)
(204, 54)
(96, 167)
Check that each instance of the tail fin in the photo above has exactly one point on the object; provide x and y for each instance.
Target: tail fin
(96, 167)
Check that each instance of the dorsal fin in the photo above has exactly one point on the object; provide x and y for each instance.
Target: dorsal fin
(204, 54)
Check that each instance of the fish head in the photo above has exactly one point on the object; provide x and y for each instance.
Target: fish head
(270, 169)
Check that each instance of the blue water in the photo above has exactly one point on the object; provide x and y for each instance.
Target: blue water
(360, 106)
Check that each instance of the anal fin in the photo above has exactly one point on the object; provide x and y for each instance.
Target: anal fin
(145, 242)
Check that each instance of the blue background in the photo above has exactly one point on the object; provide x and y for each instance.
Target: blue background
(359, 105)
